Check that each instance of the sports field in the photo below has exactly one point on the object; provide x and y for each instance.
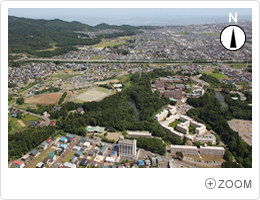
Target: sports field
(218, 76)
(107, 81)
(113, 136)
(44, 99)
(94, 94)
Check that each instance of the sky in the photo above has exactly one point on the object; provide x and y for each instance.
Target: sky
(134, 16)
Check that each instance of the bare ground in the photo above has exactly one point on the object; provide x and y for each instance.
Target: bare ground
(44, 99)
(21, 123)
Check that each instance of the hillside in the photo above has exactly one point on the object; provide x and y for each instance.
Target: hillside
(35, 36)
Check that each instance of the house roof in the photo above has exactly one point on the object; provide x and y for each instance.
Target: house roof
(34, 152)
(17, 162)
(51, 154)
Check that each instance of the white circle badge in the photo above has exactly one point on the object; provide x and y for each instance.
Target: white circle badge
(233, 37)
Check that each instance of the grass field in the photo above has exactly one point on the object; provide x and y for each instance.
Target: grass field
(15, 124)
(214, 34)
(174, 124)
(218, 76)
(29, 119)
(50, 49)
(63, 76)
(95, 57)
(41, 158)
(237, 65)
(113, 136)
(68, 156)
(44, 99)
(26, 105)
(78, 100)
(27, 87)
(112, 43)
(124, 78)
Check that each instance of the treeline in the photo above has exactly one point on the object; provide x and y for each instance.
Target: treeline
(237, 109)
(151, 144)
(104, 139)
(105, 86)
(215, 83)
(62, 97)
(22, 142)
(208, 110)
(49, 90)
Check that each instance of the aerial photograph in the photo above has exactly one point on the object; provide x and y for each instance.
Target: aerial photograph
(129, 88)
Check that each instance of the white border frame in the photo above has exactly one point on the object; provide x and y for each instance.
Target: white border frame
(134, 183)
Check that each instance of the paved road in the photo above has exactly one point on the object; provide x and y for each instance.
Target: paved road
(29, 163)
(9, 106)
(93, 147)
(47, 120)
(65, 153)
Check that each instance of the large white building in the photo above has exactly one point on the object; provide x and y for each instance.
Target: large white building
(127, 148)
(137, 134)
(161, 115)
(191, 150)
(217, 151)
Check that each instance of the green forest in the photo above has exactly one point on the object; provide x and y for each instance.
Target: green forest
(215, 83)
(34, 36)
(208, 110)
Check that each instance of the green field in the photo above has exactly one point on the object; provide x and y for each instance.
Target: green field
(29, 119)
(63, 76)
(102, 90)
(68, 156)
(218, 76)
(41, 158)
(27, 87)
(78, 100)
(124, 78)
(95, 57)
(112, 43)
(26, 105)
(237, 65)
(14, 124)
(214, 34)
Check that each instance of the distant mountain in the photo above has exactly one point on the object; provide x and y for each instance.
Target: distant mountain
(31, 35)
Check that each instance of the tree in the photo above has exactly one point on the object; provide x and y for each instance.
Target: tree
(19, 101)
(180, 154)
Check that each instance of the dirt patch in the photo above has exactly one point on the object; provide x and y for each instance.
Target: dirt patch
(44, 99)
(21, 123)
(113, 136)
(92, 95)
(244, 129)
(107, 81)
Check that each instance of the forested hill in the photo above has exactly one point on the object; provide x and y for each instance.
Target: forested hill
(31, 35)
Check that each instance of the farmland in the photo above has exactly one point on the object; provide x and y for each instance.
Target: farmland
(44, 99)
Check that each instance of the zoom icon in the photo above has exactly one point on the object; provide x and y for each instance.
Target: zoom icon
(210, 183)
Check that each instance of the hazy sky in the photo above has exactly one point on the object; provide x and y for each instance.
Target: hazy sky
(134, 16)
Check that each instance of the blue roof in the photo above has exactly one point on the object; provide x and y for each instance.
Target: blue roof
(63, 139)
(105, 167)
(78, 152)
(63, 145)
(73, 157)
(140, 162)
(14, 115)
(69, 135)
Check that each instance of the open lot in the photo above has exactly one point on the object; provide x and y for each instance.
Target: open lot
(244, 129)
(41, 158)
(213, 34)
(237, 65)
(94, 94)
(107, 81)
(44, 99)
(65, 75)
(68, 156)
(110, 43)
(113, 135)
(218, 76)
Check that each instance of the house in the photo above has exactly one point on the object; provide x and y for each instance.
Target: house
(49, 140)
(58, 151)
(110, 160)
(74, 159)
(153, 162)
(83, 149)
(63, 146)
(105, 167)
(79, 143)
(80, 110)
(78, 153)
(113, 166)
(91, 153)
(70, 140)
(44, 145)
(52, 123)
(56, 143)
(127, 165)
(34, 153)
(84, 162)
(40, 165)
(18, 164)
(47, 160)
(140, 162)
(55, 109)
(103, 150)
(63, 139)
(86, 144)
(69, 165)
(76, 148)
(68, 135)
(159, 160)
(25, 158)
(96, 150)
(52, 155)
(147, 162)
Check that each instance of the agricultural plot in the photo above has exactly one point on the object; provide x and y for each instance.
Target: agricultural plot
(244, 129)
(218, 76)
(44, 99)
(111, 43)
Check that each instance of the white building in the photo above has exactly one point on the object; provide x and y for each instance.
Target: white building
(137, 134)
(110, 160)
(191, 150)
(69, 165)
(172, 109)
(217, 151)
(161, 115)
(127, 148)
